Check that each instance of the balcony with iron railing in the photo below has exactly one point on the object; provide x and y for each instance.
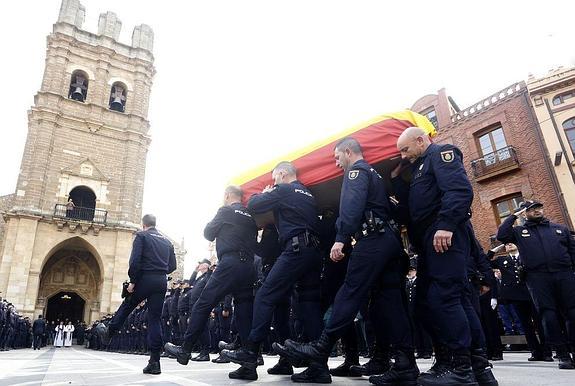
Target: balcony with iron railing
(490, 165)
(63, 211)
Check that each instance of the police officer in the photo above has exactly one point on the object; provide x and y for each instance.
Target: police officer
(151, 260)
(235, 232)
(184, 307)
(515, 293)
(38, 329)
(199, 284)
(421, 338)
(439, 201)
(296, 219)
(548, 254)
(365, 214)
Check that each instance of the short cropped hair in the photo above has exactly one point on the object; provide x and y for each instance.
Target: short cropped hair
(235, 191)
(349, 143)
(287, 167)
(149, 220)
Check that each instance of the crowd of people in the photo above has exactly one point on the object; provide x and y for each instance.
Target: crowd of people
(300, 286)
(18, 331)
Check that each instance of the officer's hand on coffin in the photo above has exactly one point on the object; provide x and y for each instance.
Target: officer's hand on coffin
(336, 253)
(442, 240)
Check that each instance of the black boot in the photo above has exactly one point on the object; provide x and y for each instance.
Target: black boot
(351, 359)
(152, 368)
(229, 346)
(378, 364)
(482, 368)
(181, 355)
(442, 361)
(459, 373)
(565, 361)
(244, 373)
(290, 355)
(283, 367)
(220, 359)
(317, 351)
(203, 356)
(315, 373)
(403, 372)
(244, 356)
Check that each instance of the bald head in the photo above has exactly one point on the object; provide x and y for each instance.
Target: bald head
(412, 143)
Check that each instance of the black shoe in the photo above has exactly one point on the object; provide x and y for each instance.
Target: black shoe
(293, 359)
(372, 367)
(178, 352)
(403, 372)
(454, 376)
(244, 373)
(283, 367)
(220, 359)
(343, 369)
(566, 363)
(316, 373)
(317, 351)
(242, 357)
(485, 377)
(229, 346)
(201, 357)
(152, 368)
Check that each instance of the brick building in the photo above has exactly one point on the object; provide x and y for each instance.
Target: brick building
(67, 230)
(504, 154)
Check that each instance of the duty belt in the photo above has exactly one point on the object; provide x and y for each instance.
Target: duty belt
(376, 225)
(306, 238)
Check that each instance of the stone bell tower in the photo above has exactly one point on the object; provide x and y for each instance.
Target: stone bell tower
(69, 225)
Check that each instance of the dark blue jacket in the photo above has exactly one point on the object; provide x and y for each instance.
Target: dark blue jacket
(234, 229)
(293, 206)
(39, 327)
(151, 251)
(363, 190)
(511, 286)
(183, 302)
(197, 289)
(544, 246)
(440, 192)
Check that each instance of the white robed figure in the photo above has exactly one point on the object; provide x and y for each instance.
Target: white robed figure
(68, 330)
(59, 337)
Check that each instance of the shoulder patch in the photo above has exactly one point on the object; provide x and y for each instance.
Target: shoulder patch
(352, 175)
(447, 156)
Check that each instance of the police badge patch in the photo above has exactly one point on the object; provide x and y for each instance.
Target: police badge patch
(353, 174)
(447, 156)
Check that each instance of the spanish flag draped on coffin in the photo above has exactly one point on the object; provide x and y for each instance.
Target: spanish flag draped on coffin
(316, 165)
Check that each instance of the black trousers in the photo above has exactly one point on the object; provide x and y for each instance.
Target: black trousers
(553, 295)
(373, 257)
(153, 288)
(530, 321)
(234, 275)
(302, 270)
(37, 341)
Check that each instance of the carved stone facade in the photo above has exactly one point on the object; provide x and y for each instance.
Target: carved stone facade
(76, 140)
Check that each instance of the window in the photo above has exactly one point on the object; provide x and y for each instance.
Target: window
(118, 97)
(78, 86)
(505, 207)
(569, 127)
(494, 146)
(561, 98)
(432, 116)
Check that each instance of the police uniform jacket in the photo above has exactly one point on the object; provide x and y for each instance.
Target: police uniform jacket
(544, 246)
(362, 190)
(39, 327)
(293, 206)
(184, 302)
(151, 252)
(166, 308)
(440, 194)
(511, 287)
(235, 230)
(174, 303)
(197, 289)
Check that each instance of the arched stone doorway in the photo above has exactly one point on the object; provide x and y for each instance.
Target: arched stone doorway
(71, 282)
(65, 305)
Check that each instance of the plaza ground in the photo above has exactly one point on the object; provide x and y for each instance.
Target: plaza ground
(79, 366)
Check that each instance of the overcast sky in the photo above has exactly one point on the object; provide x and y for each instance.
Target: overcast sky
(240, 82)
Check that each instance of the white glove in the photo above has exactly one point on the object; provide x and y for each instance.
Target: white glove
(493, 304)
